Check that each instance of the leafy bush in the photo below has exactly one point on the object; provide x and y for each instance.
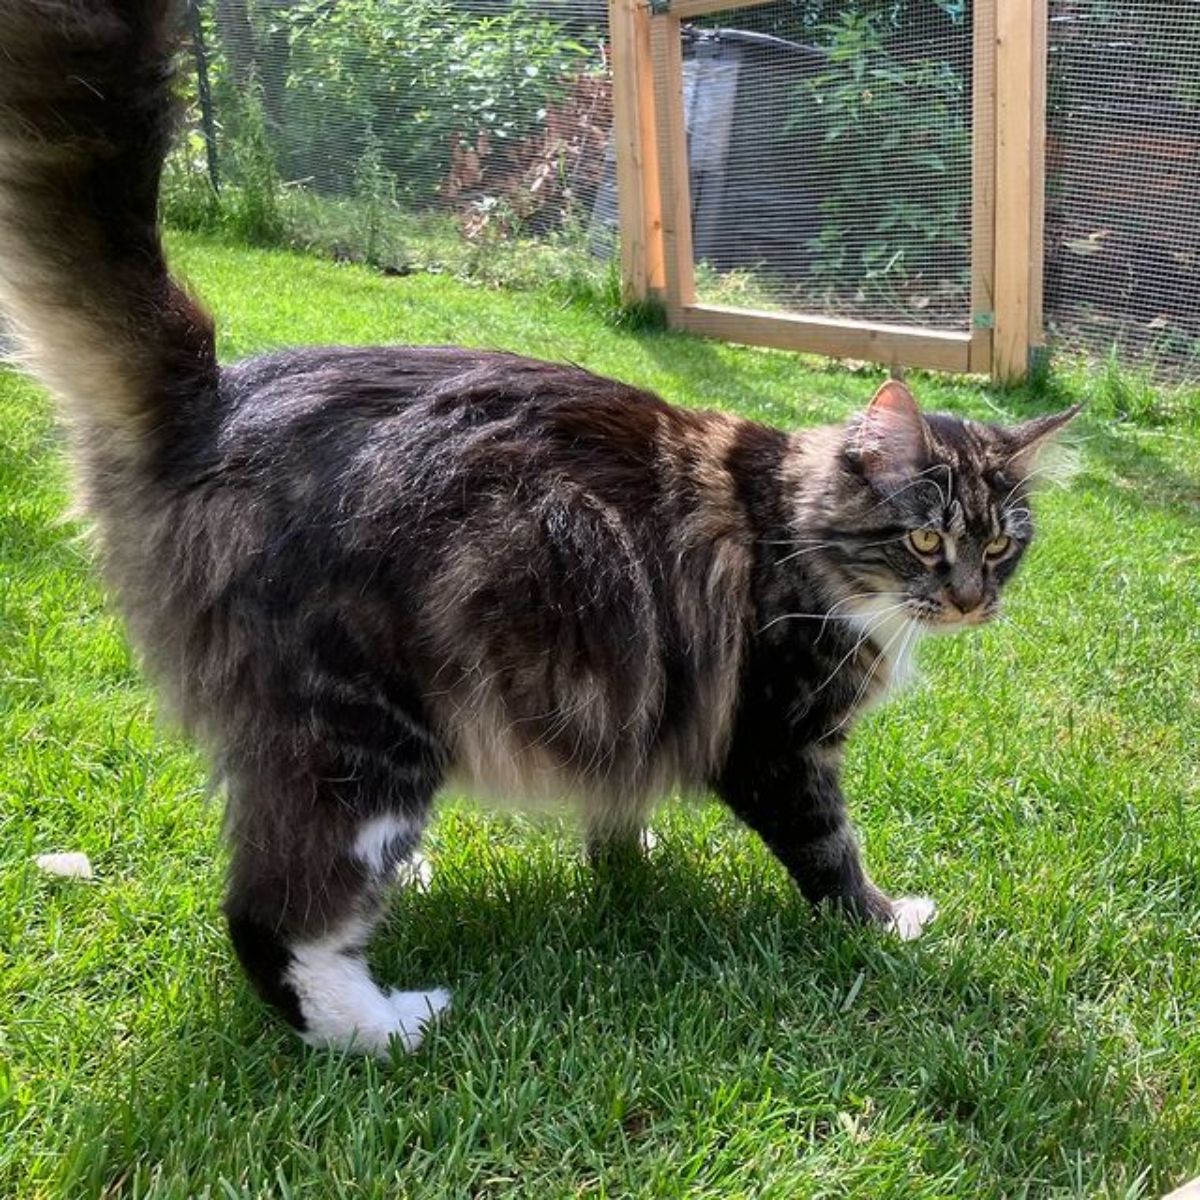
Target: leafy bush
(405, 78)
(340, 122)
(893, 154)
(253, 213)
(248, 208)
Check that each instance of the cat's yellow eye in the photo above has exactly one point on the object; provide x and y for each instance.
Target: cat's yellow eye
(925, 541)
(997, 546)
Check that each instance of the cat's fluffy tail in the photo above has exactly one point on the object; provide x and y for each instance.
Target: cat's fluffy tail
(86, 113)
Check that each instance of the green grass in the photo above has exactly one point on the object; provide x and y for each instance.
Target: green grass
(692, 1029)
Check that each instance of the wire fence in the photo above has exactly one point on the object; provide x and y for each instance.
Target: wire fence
(1122, 268)
(375, 128)
(831, 157)
(830, 150)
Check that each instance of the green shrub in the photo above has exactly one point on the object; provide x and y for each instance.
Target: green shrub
(375, 189)
(893, 156)
(401, 79)
(187, 200)
(251, 208)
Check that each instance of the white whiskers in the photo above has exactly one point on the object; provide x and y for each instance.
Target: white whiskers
(825, 545)
(874, 621)
(825, 617)
(906, 629)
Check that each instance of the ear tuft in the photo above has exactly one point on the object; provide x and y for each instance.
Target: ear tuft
(1027, 445)
(895, 398)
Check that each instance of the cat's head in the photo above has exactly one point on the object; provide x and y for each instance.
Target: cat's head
(931, 512)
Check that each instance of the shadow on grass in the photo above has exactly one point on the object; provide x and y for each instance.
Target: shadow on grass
(1141, 475)
(749, 381)
(652, 1008)
(1136, 472)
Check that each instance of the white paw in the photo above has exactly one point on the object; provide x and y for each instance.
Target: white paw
(413, 1012)
(416, 873)
(910, 915)
(370, 1028)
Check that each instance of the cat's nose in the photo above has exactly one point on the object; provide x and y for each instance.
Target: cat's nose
(968, 600)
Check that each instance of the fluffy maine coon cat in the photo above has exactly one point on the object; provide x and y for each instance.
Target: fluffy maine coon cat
(359, 573)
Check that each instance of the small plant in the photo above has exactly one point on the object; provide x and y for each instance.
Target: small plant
(892, 148)
(375, 189)
(187, 199)
(251, 210)
(1123, 393)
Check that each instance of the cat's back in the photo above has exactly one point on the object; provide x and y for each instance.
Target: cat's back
(375, 433)
(354, 390)
(485, 521)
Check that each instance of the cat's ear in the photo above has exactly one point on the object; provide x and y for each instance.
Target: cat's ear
(890, 439)
(1026, 444)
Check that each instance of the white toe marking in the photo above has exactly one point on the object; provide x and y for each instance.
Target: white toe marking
(376, 837)
(342, 1006)
(414, 1010)
(910, 915)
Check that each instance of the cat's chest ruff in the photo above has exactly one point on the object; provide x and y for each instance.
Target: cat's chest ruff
(894, 636)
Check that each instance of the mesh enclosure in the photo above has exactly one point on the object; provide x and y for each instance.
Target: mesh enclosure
(1122, 251)
(494, 115)
(830, 149)
(830, 158)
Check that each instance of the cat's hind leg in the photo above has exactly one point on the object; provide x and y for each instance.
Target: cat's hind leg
(307, 885)
(617, 838)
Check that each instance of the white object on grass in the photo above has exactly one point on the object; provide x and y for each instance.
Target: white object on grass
(72, 865)
(1189, 1191)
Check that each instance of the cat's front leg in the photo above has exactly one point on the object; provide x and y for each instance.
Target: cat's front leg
(794, 802)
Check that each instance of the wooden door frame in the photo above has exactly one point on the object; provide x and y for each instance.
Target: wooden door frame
(1007, 187)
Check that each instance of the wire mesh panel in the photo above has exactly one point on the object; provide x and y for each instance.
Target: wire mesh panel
(493, 114)
(830, 158)
(1122, 259)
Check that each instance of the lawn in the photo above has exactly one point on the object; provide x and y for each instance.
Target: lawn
(690, 1029)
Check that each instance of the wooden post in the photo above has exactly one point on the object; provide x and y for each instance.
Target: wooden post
(674, 169)
(983, 183)
(1040, 98)
(635, 138)
(1020, 175)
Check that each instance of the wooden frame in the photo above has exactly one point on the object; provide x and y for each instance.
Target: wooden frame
(983, 185)
(685, 10)
(640, 214)
(1039, 69)
(680, 272)
(1007, 180)
(1020, 181)
(893, 345)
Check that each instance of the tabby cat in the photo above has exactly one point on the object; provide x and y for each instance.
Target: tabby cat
(358, 574)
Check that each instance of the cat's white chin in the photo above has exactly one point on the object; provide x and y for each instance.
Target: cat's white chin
(956, 624)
